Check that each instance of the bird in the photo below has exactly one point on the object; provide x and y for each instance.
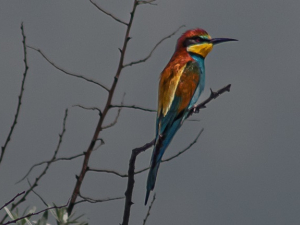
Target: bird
(181, 84)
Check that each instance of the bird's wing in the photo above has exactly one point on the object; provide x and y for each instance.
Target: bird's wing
(175, 94)
(169, 80)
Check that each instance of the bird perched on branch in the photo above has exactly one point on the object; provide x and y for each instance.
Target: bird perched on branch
(181, 83)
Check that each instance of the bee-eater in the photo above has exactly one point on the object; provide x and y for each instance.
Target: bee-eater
(181, 83)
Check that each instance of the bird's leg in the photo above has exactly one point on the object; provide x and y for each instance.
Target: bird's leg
(195, 109)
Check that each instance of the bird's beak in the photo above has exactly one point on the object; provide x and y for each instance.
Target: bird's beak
(215, 41)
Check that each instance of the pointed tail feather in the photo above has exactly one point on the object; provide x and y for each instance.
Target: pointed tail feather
(151, 180)
(162, 142)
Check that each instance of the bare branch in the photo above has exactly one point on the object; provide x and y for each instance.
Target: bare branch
(40, 197)
(147, 168)
(3, 148)
(132, 107)
(213, 95)
(147, 57)
(184, 150)
(117, 117)
(108, 171)
(33, 214)
(150, 2)
(50, 161)
(109, 14)
(12, 200)
(115, 121)
(130, 182)
(37, 179)
(66, 72)
(60, 159)
(104, 113)
(100, 144)
(148, 212)
(55, 152)
(91, 200)
(88, 108)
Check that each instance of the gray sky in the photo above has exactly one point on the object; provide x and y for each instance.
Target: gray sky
(245, 167)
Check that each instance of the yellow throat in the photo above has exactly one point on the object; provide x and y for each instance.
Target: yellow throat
(201, 49)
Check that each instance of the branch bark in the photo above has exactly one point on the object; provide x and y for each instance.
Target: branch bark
(104, 113)
(3, 148)
(130, 182)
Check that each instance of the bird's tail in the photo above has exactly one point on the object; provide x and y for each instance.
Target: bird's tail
(151, 180)
(162, 142)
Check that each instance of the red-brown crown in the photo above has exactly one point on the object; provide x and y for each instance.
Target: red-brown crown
(189, 34)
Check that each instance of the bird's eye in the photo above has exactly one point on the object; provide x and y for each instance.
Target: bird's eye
(199, 39)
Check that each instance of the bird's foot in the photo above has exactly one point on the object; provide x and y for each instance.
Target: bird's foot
(195, 109)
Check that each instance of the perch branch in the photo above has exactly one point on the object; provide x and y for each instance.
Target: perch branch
(130, 182)
(213, 95)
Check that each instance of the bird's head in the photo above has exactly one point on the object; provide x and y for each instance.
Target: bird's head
(198, 41)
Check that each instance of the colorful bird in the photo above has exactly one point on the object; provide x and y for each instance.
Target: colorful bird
(181, 83)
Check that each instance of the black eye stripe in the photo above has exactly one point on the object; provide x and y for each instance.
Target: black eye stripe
(194, 40)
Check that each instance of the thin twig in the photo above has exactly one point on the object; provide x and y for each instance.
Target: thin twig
(37, 179)
(115, 121)
(132, 107)
(184, 150)
(3, 148)
(147, 57)
(39, 196)
(99, 145)
(130, 182)
(59, 159)
(88, 108)
(150, 2)
(13, 199)
(148, 212)
(117, 117)
(109, 14)
(91, 200)
(108, 171)
(50, 161)
(66, 72)
(123, 175)
(53, 159)
(33, 214)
